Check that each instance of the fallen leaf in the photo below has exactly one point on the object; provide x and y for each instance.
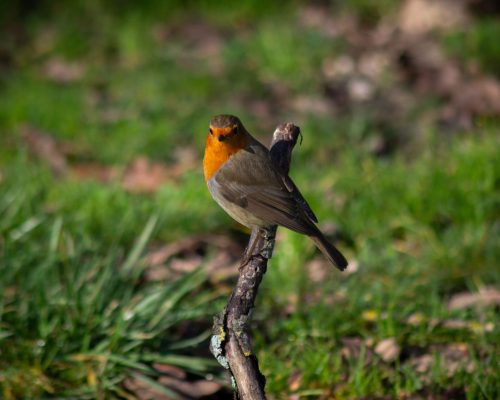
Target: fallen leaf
(223, 265)
(144, 176)
(171, 370)
(360, 89)
(352, 267)
(353, 347)
(476, 97)
(141, 175)
(200, 41)
(195, 243)
(144, 391)
(193, 389)
(388, 349)
(312, 105)
(178, 257)
(427, 67)
(418, 17)
(416, 319)
(478, 327)
(452, 358)
(62, 71)
(291, 303)
(318, 269)
(339, 67)
(294, 380)
(423, 363)
(319, 18)
(374, 63)
(45, 148)
(187, 264)
(486, 296)
(455, 324)
(94, 171)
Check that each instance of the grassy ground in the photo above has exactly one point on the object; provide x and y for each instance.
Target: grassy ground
(409, 194)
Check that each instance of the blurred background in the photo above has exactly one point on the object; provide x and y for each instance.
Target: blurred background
(114, 257)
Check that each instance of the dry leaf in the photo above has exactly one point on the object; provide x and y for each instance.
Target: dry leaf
(452, 358)
(360, 89)
(352, 348)
(339, 67)
(94, 171)
(223, 266)
(416, 319)
(486, 296)
(200, 40)
(388, 349)
(193, 389)
(175, 258)
(187, 264)
(143, 391)
(422, 16)
(455, 357)
(374, 63)
(455, 324)
(423, 363)
(318, 17)
(313, 105)
(478, 97)
(318, 269)
(45, 147)
(62, 71)
(294, 380)
(144, 176)
(141, 176)
(171, 370)
(352, 267)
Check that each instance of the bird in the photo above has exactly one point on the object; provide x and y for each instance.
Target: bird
(252, 189)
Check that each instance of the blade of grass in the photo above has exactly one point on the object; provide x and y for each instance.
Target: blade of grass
(139, 246)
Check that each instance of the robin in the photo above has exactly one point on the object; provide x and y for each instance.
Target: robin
(246, 183)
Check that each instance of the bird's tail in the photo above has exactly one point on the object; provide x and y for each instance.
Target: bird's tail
(330, 251)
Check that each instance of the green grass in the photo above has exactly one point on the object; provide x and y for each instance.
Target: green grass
(75, 316)
(420, 222)
(477, 44)
(423, 231)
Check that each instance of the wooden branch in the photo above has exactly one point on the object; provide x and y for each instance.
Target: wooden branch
(230, 343)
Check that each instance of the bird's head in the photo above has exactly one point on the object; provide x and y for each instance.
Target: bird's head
(226, 137)
(228, 130)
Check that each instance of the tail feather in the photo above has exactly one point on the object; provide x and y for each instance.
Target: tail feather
(330, 251)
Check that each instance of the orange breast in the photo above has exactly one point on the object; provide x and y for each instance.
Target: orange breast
(217, 153)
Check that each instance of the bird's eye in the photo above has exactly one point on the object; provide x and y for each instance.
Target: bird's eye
(211, 131)
(235, 130)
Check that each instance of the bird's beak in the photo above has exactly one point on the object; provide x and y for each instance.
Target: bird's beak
(222, 133)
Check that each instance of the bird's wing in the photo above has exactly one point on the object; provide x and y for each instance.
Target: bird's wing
(294, 190)
(256, 185)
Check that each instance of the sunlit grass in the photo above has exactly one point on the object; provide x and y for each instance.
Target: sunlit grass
(76, 316)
